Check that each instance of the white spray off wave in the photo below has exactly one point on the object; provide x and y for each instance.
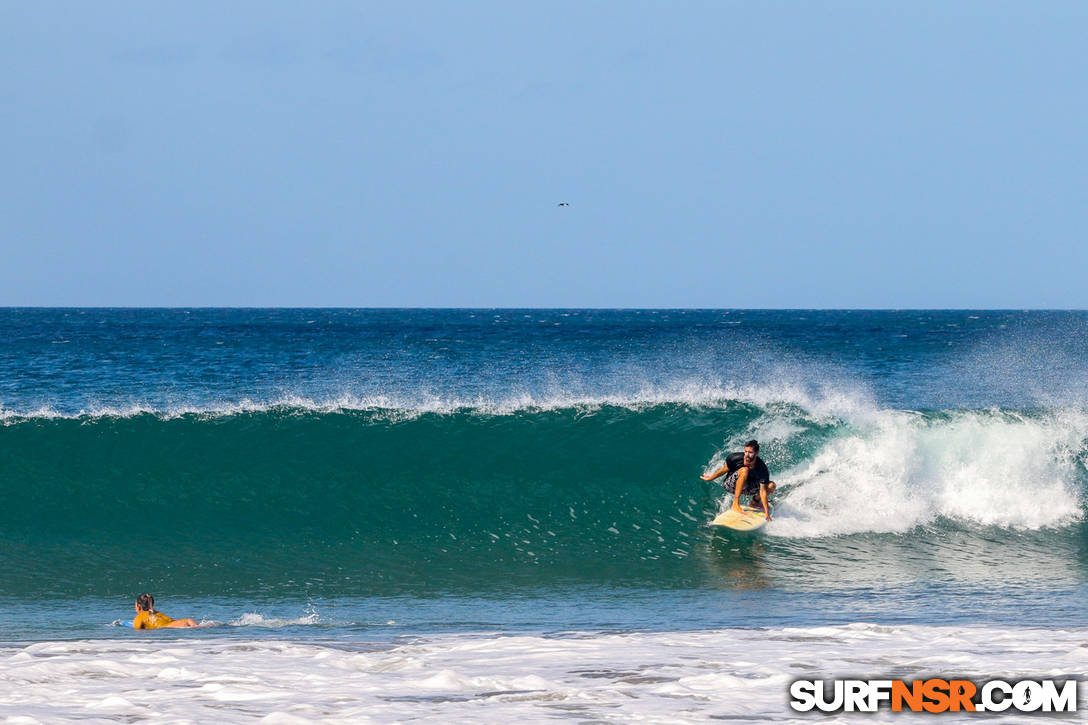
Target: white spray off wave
(902, 470)
(397, 406)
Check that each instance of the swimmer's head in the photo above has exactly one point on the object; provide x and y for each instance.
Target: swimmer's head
(145, 603)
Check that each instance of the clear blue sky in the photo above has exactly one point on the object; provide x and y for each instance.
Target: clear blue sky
(714, 154)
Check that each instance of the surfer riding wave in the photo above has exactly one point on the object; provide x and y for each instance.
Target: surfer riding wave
(746, 474)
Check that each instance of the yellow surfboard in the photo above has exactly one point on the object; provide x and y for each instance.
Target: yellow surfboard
(749, 519)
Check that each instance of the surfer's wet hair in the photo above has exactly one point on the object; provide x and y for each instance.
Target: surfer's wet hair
(146, 602)
(753, 445)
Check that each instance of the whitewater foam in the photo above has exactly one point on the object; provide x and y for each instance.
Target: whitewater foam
(986, 468)
(674, 677)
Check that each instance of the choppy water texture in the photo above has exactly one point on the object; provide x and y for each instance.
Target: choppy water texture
(360, 476)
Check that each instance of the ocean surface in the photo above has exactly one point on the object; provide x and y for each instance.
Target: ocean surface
(466, 515)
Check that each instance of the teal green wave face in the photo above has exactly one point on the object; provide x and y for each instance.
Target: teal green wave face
(259, 500)
(374, 503)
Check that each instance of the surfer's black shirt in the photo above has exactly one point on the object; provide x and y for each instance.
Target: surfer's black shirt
(757, 473)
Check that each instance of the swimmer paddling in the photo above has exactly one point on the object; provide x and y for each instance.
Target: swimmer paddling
(147, 617)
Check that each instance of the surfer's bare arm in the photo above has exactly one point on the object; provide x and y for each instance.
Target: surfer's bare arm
(712, 476)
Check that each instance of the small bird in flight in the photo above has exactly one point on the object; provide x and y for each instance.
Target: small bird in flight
(563, 203)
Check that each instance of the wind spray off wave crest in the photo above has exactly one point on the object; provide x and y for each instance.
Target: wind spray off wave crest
(825, 402)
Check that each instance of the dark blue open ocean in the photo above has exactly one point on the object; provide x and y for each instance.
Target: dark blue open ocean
(362, 479)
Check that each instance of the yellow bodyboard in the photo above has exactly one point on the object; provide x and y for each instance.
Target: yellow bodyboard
(749, 519)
